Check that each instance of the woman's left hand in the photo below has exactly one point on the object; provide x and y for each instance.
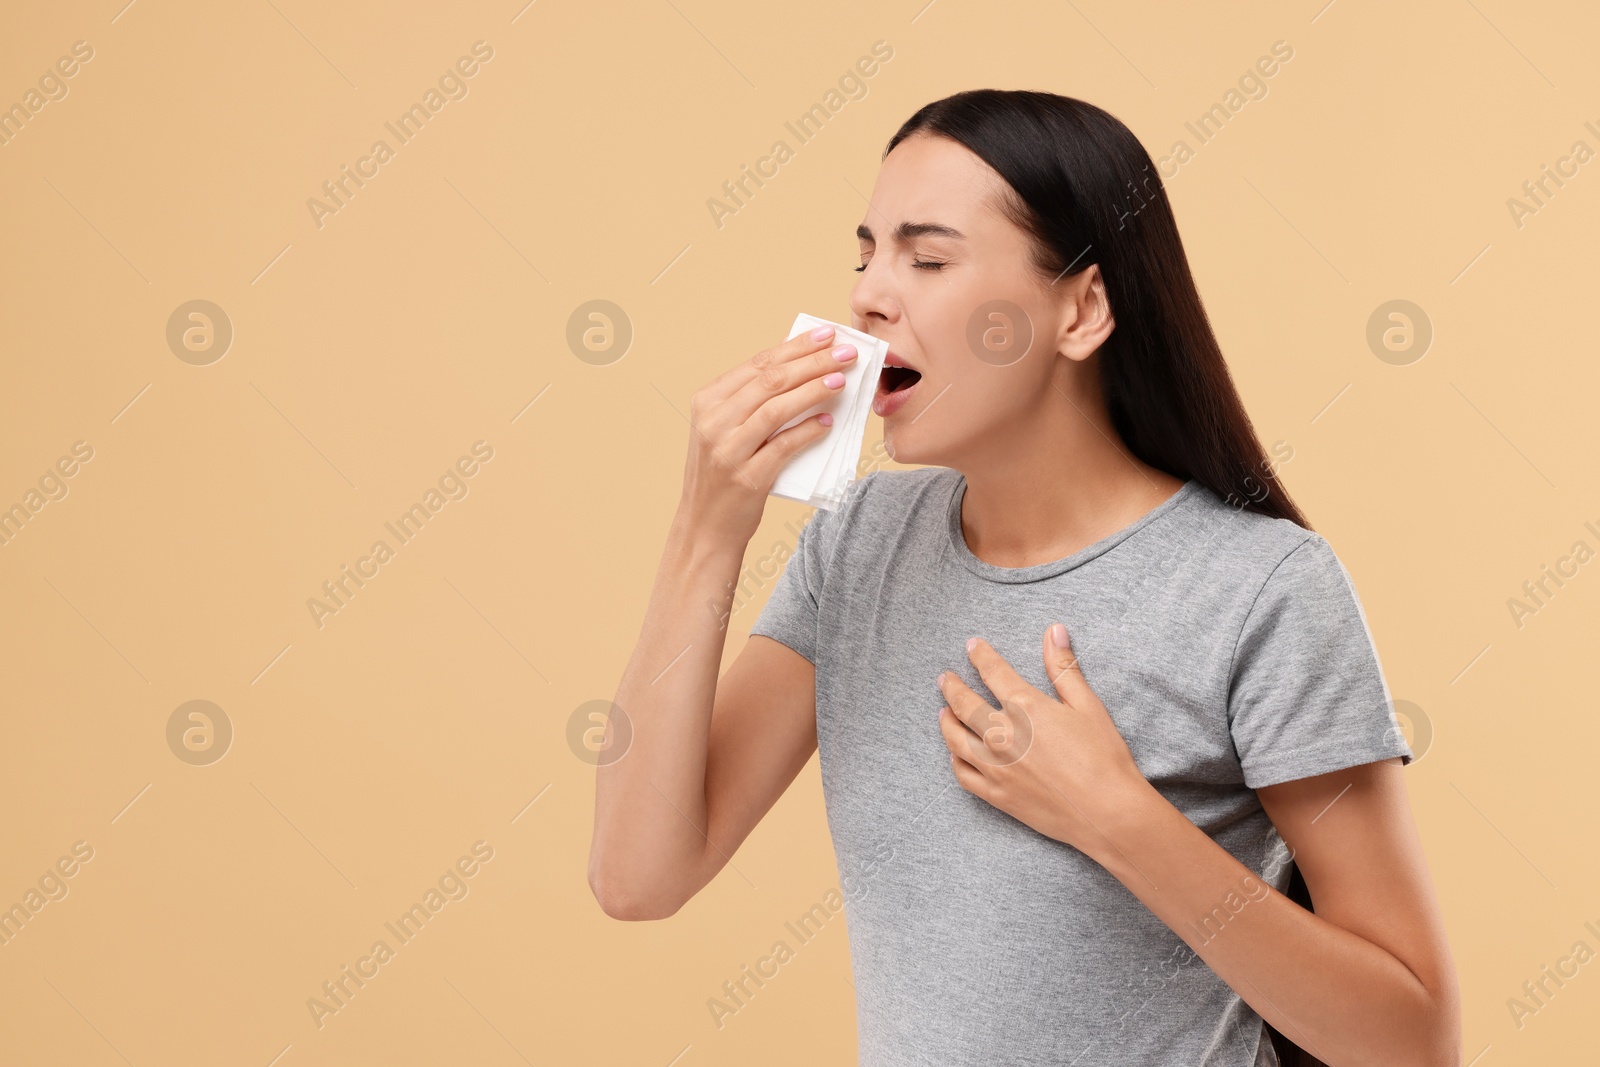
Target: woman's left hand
(1060, 766)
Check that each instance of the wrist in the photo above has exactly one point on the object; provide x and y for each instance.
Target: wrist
(1131, 812)
(697, 545)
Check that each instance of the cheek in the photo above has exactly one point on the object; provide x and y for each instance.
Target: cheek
(987, 399)
(975, 338)
(981, 388)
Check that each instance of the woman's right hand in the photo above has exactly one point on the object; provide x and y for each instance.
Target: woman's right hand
(731, 466)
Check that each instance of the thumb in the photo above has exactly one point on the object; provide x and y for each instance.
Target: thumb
(1062, 663)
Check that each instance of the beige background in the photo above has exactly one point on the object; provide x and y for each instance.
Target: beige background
(369, 353)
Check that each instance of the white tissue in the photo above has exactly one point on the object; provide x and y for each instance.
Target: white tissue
(820, 472)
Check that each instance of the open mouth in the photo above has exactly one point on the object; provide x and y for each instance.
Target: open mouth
(894, 379)
(895, 386)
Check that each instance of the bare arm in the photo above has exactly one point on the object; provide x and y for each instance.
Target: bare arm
(694, 784)
(692, 763)
(1368, 977)
(1365, 978)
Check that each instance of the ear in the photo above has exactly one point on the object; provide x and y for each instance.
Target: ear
(1086, 319)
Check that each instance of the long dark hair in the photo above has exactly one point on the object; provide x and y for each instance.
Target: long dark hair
(1087, 192)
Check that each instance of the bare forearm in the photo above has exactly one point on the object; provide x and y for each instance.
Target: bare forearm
(650, 810)
(1334, 993)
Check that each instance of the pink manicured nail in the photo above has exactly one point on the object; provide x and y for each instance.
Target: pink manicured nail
(834, 380)
(972, 643)
(822, 333)
(825, 418)
(844, 353)
(1058, 634)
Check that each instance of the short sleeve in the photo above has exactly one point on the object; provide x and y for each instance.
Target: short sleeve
(791, 613)
(1306, 693)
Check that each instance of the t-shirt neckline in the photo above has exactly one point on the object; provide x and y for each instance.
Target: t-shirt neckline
(994, 573)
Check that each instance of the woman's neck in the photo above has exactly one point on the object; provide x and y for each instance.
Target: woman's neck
(1068, 487)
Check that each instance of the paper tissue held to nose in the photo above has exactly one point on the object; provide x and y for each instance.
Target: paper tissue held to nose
(820, 472)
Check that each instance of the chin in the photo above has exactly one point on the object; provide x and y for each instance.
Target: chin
(903, 447)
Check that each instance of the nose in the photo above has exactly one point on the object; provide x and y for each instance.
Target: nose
(873, 303)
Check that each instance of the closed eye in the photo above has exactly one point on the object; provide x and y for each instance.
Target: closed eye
(929, 265)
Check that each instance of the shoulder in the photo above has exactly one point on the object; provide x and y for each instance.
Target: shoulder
(1277, 574)
(877, 507)
(1260, 557)
(1247, 541)
(895, 495)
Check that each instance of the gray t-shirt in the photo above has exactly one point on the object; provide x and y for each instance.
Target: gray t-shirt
(1231, 652)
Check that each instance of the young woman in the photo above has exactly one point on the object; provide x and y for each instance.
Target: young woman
(1094, 705)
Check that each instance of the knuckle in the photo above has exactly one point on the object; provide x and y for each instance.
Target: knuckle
(765, 420)
(707, 426)
(770, 375)
(762, 358)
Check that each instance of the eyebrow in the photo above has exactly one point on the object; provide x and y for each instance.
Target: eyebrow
(908, 230)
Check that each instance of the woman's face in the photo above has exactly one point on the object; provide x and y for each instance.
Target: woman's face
(946, 280)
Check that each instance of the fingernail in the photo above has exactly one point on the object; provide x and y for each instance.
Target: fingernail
(825, 418)
(844, 353)
(833, 381)
(822, 333)
(1058, 634)
(972, 643)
